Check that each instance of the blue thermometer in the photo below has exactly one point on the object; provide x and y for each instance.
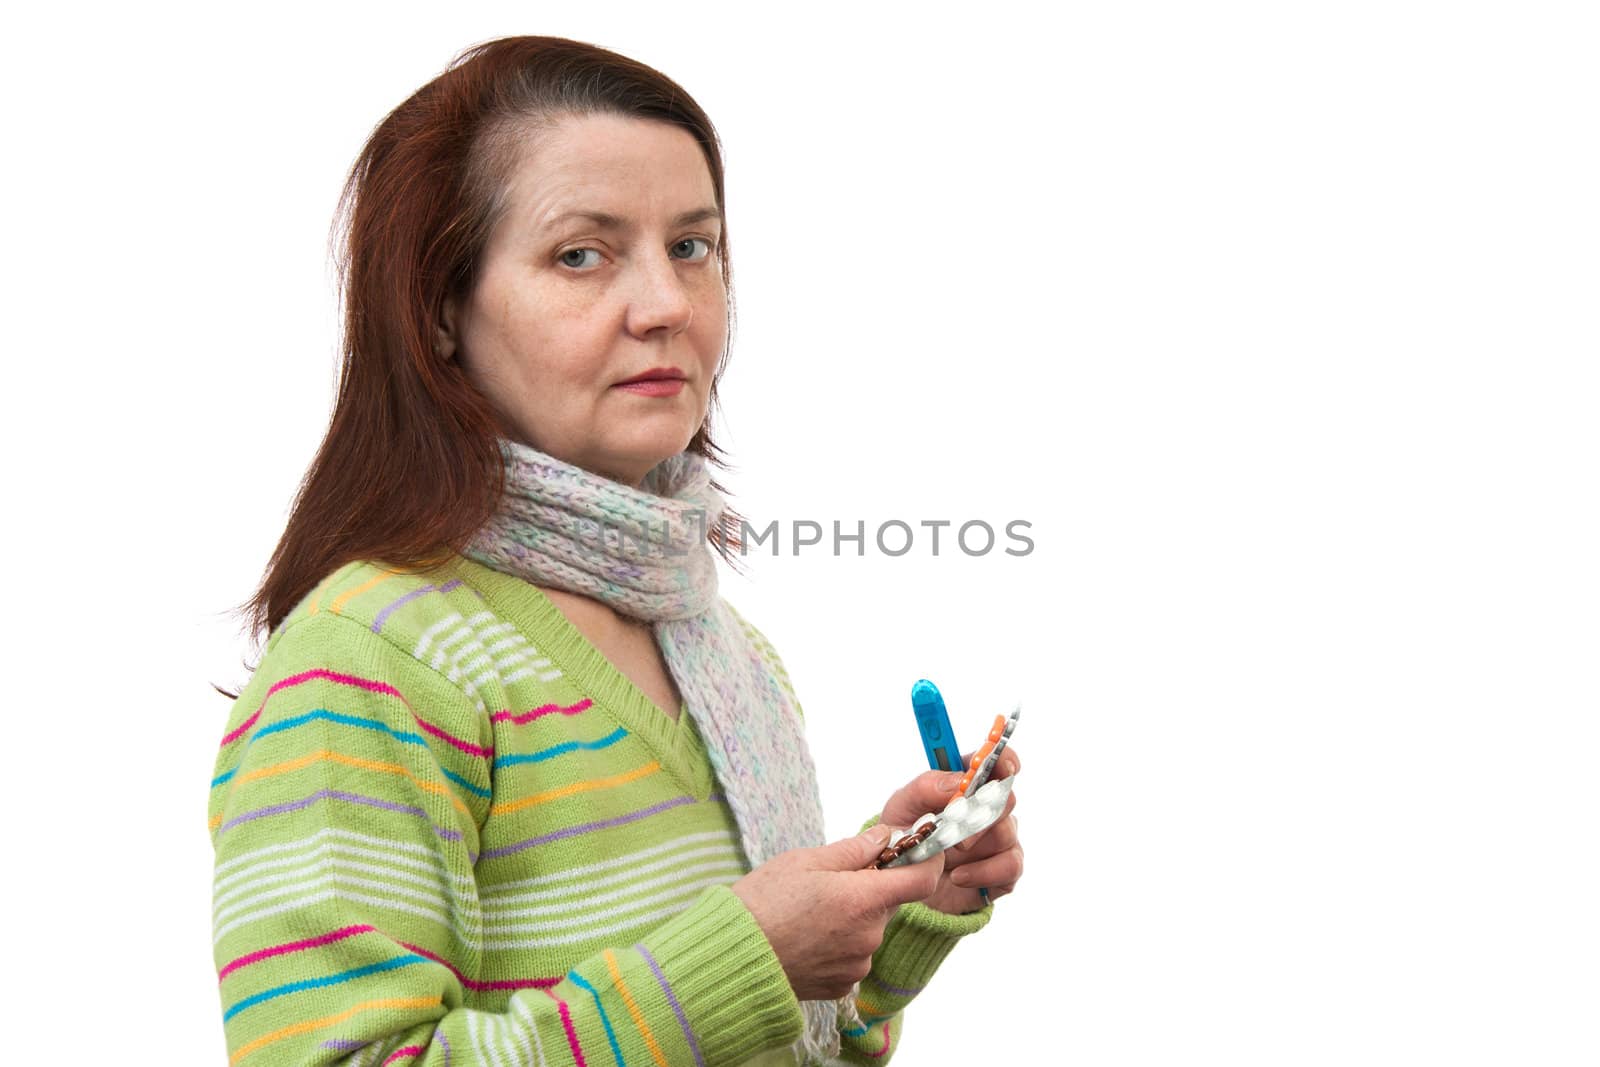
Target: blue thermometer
(934, 723)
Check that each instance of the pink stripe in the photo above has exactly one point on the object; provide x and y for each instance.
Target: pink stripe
(572, 1035)
(507, 983)
(360, 683)
(243, 727)
(306, 676)
(469, 749)
(885, 1047)
(539, 712)
(292, 946)
(402, 1053)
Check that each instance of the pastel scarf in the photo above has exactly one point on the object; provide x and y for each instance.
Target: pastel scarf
(644, 552)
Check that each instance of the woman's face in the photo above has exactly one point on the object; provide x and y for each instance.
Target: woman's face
(603, 267)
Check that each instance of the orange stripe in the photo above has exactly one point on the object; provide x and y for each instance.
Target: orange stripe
(340, 600)
(329, 1020)
(580, 787)
(633, 1009)
(349, 761)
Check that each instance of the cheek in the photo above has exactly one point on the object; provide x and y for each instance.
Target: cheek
(551, 335)
(711, 309)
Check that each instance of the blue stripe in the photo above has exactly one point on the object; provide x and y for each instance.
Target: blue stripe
(557, 750)
(406, 736)
(611, 1036)
(314, 983)
(475, 790)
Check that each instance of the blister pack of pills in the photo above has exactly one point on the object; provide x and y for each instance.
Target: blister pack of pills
(976, 805)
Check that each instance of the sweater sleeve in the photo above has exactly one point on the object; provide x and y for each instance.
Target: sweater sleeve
(351, 789)
(915, 943)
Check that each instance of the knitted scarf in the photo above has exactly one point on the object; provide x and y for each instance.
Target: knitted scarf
(644, 552)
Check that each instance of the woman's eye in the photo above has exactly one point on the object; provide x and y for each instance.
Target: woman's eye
(685, 249)
(574, 257)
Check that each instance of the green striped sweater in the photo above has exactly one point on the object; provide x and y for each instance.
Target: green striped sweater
(449, 831)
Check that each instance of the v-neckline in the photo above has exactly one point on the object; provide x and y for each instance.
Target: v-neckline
(676, 742)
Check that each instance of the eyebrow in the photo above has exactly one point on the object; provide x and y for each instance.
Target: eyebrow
(613, 222)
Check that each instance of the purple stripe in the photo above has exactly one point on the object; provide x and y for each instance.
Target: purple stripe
(896, 990)
(677, 1009)
(334, 794)
(574, 831)
(440, 1035)
(344, 1044)
(377, 623)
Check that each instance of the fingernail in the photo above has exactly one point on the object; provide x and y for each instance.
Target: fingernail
(949, 781)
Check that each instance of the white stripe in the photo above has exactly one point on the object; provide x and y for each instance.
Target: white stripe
(466, 687)
(499, 904)
(583, 903)
(506, 1036)
(513, 658)
(594, 934)
(330, 848)
(374, 1052)
(690, 889)
(499, 628)
(438, 658)
(325, 873)
(389, 844)
(624, 860)
(518, 675)
(455, 656)
(510, 642)
(323, 865)
(475, 644)
(479, 662)
(474, 1040)
(427, 635)
(521, 657)
(339, 894)
(526, 1015)
(439, 652)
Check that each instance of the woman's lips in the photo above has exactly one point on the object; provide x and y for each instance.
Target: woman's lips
(654, 386)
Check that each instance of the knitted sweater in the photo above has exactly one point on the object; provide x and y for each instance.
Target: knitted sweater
(449, 831)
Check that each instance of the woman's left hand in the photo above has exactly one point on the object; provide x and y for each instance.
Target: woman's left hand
(991, 860)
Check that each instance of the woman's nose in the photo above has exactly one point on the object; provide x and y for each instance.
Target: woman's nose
(659, 299)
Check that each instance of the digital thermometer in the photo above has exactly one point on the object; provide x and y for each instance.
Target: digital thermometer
(934, 724)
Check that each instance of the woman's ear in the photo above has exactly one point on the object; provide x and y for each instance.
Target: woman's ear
(445, 333)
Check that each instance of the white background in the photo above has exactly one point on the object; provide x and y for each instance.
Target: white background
(1276, 321)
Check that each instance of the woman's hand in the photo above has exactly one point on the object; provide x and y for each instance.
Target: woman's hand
(991, 860)
(824, 909)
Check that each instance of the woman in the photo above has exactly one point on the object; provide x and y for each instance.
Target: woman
(511, 782)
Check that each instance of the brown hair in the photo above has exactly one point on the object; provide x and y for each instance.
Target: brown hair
(410, 467)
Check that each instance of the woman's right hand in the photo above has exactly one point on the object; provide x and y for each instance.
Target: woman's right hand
(824, 909)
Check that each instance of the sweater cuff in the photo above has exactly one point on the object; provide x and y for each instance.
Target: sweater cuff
(917, 940)
(728, 981)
